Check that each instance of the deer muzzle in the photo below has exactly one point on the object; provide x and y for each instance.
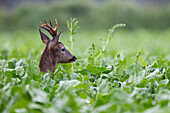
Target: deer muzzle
(73, 59)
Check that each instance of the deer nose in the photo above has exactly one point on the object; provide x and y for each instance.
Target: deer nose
(73, 59)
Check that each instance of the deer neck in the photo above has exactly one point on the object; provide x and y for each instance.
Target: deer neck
(48, 61)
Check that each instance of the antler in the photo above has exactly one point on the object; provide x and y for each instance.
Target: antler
(49, 28)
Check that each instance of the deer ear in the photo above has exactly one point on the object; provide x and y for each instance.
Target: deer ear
(55, 40)
(44, 37)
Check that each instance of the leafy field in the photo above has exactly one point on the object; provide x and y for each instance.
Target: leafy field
(132, 75)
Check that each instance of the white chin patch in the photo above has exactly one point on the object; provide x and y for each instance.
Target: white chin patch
(72, 61)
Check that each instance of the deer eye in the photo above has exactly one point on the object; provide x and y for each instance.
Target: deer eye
(63, 50)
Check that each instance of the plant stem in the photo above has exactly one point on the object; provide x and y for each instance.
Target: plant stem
(72, 26)
(104, 48)
(111, 30)
(71, 40)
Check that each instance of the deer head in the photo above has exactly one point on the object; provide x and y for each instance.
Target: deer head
(55, 51)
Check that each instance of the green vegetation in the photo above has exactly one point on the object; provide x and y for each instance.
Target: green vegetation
(73, 26)
(124, 78)
(127, 73)
(92, 15)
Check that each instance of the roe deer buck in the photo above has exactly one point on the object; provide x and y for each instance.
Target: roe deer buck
(54, 52)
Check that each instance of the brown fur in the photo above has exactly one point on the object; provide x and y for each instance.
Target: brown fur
(47, 61)
(52, 56)
(54, 53)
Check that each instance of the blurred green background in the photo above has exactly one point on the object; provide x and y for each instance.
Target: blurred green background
(147, 26)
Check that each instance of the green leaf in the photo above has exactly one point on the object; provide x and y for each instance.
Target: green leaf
(86, 78)
(12, 63)
(83, 95)
(17, 90)
(38, 96)
(143, 83)
(68, 24)
(82, 86)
